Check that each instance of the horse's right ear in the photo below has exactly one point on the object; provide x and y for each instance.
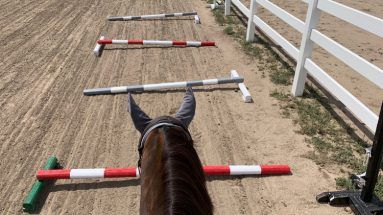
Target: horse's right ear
(139, 117)
(187, 110)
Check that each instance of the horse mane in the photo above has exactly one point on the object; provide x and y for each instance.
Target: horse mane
(183, 176)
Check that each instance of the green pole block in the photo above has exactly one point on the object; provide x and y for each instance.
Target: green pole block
(29, 204)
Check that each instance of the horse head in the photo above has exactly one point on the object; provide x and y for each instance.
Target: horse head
(172, 178)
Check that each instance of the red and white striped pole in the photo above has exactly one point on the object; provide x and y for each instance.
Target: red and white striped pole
(133, 172)
(103, 41)
(157, 42)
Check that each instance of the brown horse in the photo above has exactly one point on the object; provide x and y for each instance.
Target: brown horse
(172, 178)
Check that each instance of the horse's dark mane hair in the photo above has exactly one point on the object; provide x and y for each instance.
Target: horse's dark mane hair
(183, 176)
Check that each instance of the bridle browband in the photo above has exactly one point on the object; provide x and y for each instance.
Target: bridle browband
(158, 123)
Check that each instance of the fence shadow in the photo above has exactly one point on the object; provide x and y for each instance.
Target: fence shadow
(329, 100)
(262, 39)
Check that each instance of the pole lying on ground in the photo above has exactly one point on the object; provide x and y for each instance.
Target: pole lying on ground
(149, 87)
(103, 41)
(156, 42)
(235, 78)
(51, 173)
(134, 172)
(155, 16)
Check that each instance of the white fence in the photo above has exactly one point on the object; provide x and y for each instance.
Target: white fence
(310, 36)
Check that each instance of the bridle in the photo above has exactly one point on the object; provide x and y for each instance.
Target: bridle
(165, 121)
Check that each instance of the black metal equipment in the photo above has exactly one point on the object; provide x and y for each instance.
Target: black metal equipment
(362, 202)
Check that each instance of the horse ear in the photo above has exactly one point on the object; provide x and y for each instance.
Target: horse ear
(187, 110)
(139, 117)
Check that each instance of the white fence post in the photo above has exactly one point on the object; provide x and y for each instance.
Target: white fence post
(312, 18)
(250, 23)
(227, 7)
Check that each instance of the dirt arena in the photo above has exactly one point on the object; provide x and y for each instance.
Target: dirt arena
(47, 61)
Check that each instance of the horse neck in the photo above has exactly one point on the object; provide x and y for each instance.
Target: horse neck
(172, 178)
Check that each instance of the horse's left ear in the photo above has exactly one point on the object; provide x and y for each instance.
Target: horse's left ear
(187, 110)
(139, 117)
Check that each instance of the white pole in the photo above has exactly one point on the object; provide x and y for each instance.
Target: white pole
(54, 174)
(213, 6)
(312, 19)
(96, 50)
(245, 93)
(148, 87)
(250, 22)
(151, 16)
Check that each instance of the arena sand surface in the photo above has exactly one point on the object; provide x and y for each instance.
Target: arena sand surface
(47, 61)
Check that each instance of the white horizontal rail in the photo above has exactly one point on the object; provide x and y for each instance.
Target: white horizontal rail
(279, 39)
(365, 68)
(364, 114)
(360, 19)
(241, 7)
(294, 22)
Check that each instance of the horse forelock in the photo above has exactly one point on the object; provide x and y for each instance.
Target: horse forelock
(178, 170)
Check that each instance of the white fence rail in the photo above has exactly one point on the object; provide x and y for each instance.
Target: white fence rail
(241, 7)
(311, 36)
(283, 15)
